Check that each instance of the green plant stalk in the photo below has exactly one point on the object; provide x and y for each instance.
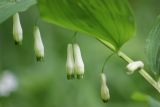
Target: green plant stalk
(142, 72)
(106, 60)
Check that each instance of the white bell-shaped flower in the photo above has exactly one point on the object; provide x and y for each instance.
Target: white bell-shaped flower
(38, 44)
(105, 95)
(79, 65)
(133, 66)
(70, 62)
(17, 29)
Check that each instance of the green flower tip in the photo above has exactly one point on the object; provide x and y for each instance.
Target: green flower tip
(70, 77)
(80, 76)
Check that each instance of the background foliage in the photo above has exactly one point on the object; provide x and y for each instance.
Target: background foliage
(9, 7)
(44, 84)
(153, 48)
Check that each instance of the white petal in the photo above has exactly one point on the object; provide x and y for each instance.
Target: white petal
(70, 62)
(79, 65)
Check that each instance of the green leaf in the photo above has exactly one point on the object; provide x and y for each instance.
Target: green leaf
(109, 20)
(10, 7)
(153, 48)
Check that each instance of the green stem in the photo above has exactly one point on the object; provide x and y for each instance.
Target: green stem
(74, 37)
(142, 72)
(106, 60)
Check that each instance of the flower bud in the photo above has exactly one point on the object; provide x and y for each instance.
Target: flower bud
(17, 29)
(38, 44)
(133, 66)
(70, 62)
(79, 65)
(105, 96)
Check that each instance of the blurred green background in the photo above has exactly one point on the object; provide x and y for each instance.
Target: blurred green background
(44, 84)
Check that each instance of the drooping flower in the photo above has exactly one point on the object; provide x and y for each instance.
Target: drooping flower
(105, 96)
(133, 66)
(79, 65)
(17, 29)
(38, 44)
(8, 83)
(70, 62)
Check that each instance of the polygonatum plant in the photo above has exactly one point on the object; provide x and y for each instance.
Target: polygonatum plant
(109, 21)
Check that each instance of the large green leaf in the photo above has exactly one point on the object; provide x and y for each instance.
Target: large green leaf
(109, 20)
(153, 48)
(10, 7)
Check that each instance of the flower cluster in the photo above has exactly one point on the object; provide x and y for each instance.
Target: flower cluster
(18, 37)
(133, 66)
(74, 63)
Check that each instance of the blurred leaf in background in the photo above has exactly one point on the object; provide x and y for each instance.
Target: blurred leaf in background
(10, 7)
(153, 48)
(138, 96)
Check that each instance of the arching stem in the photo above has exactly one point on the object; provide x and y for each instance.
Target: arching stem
(106, 60)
